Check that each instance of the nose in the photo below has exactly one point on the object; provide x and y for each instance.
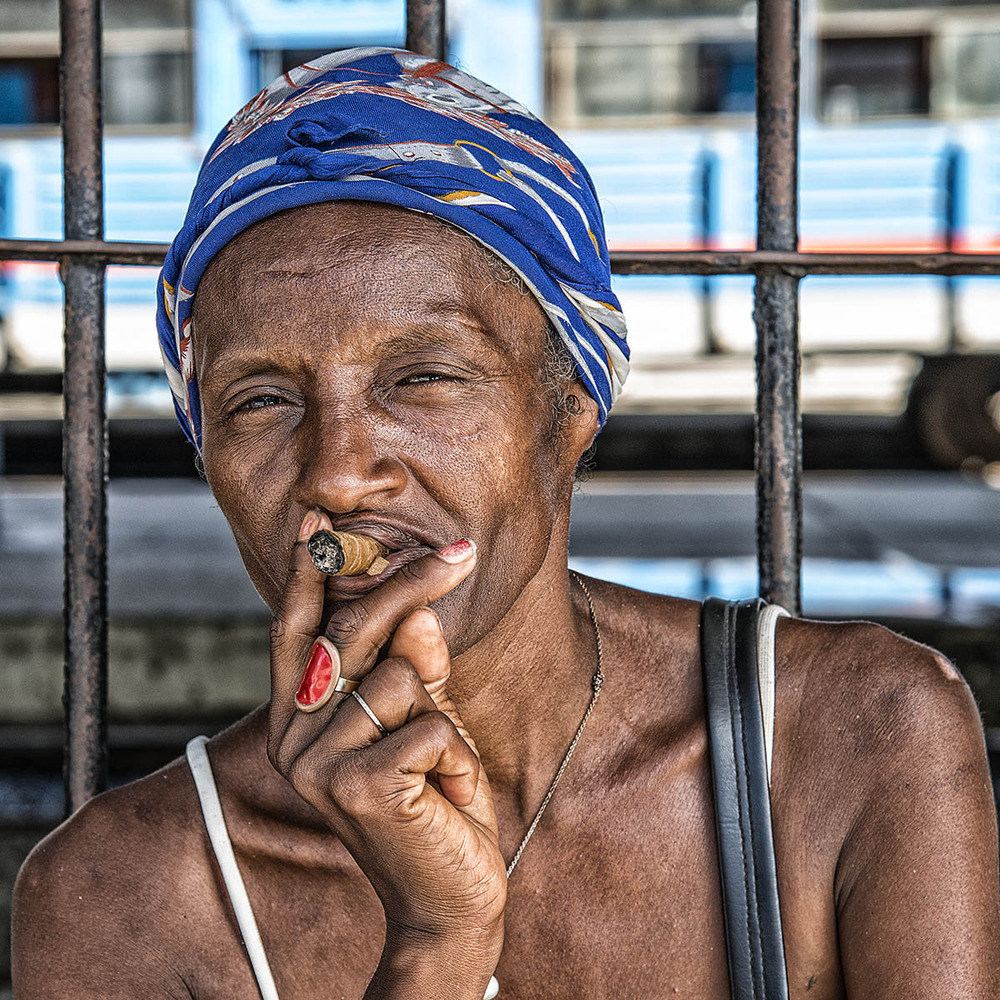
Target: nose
(344, 463)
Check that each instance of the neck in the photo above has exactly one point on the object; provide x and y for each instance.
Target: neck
(522, 689)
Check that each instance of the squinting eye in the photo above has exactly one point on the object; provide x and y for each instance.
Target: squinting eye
(259, 402)
(427, 377)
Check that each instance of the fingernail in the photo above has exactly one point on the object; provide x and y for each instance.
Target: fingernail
(310, 524)
(319, 677)
(458, 551)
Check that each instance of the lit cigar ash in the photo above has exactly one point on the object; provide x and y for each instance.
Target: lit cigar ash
(339, 553)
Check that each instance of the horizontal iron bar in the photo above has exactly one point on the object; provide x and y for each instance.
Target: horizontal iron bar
(799, 263)
(104, 251)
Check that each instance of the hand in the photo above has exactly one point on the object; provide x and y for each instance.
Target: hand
(414, 808)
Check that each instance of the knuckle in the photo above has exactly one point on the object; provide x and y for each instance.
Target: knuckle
(277, 630)
(439, 726)
(301, 775)
(417, 571)
(273, 753)
(286, 631)
(280, 755)
(400, 676)
(348, 622)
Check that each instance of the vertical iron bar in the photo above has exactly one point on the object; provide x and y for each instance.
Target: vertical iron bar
(425, 27)
(778, 448)
(84, 419)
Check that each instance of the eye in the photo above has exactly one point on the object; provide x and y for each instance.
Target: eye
(424, 377)
(259, 402)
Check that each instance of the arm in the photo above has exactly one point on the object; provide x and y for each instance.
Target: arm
(918, 900)
(411, 804)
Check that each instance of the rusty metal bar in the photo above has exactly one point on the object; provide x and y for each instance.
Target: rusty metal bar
(85, 446)
(778, 439)
(800, 264)
(705, 262)
(99, 251)
(425, 27)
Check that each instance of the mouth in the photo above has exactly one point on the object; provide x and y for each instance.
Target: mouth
(403, 547)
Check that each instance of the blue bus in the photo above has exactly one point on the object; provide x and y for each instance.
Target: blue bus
(900, 149)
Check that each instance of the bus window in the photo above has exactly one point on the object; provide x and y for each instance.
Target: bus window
(874, 77)
(147, 63)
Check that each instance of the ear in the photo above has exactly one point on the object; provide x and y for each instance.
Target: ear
(582, 422)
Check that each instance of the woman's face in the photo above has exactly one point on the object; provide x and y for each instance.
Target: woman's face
(362, 359)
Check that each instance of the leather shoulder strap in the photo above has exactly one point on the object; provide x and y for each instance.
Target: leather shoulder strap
(742, 804)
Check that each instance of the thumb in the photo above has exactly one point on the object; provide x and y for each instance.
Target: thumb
(419, 639)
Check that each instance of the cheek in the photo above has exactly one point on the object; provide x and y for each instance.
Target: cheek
(491, 462)
(500, 476)
(253, 494)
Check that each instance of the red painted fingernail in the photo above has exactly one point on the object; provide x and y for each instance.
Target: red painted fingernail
(310, 523)
(318, 678)
(458, 551)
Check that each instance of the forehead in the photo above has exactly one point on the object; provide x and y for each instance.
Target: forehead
(339, 270)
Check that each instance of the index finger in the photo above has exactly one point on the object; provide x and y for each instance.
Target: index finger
(296, 622)
(360, 628)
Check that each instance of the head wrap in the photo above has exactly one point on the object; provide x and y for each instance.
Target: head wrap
(387, 125)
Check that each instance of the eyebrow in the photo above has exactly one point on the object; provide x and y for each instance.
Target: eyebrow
(227, 368)
(428, 333)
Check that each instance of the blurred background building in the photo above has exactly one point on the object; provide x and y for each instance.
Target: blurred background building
(900, 379)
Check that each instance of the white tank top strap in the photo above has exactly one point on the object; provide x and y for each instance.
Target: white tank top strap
(215, 824)
(766, 626)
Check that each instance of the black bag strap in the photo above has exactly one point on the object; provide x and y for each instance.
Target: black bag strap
(742, 801)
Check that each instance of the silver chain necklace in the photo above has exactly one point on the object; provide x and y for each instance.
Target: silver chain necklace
(596, 683)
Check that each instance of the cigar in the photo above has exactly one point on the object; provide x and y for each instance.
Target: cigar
(339, 553)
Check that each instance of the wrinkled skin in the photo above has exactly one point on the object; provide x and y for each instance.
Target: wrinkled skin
(374, 371)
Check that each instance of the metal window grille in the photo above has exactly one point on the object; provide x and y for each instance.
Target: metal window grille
(83, 256)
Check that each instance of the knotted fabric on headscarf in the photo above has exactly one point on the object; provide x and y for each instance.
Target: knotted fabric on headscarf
(387, 125)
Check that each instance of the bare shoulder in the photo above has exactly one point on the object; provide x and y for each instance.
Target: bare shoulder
(869, 691)
(879, 735)
(856, 702)
(113, 891)
(880, 695)
(882, 798)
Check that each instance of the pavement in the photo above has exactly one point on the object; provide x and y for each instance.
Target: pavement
(171, 552)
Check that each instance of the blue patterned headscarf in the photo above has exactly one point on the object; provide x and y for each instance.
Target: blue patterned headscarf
(390, 126)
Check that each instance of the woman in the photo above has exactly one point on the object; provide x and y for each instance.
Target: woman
(389, 313)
